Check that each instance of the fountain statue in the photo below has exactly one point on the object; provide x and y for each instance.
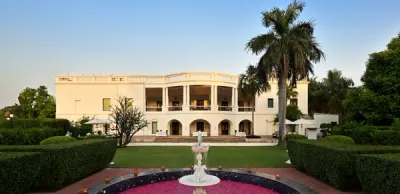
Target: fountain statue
(199, 178)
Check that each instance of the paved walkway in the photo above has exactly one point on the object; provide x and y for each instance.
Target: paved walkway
(289, 173)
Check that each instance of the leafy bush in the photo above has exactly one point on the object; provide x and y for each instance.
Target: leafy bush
(295, 136)
(332, 162)
(340, 139)
(32, 136)
(37, 123)
(3, 141)
(65, 163)
(79, 131)
(361, 134)
(387, 137)
(396, 124)
(18, 171)
(379, 173)
(57, 140)
(94, 137)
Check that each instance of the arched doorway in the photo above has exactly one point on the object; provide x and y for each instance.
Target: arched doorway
(174, 127)
(245, 126)
(224, 127)
(200, 125)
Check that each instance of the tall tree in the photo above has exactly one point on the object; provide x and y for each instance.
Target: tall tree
(315, 103)
(128, 120)
(290, 92)
(250, 86)
(378, 101)
(35, 103)
(288, 50)
(27, 102)
(333, 90)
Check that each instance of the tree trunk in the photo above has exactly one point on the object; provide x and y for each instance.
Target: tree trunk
(252, 115)
(282, 108)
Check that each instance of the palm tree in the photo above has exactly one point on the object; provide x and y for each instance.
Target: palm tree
(250, 86)
(288, 48)
(333, 91)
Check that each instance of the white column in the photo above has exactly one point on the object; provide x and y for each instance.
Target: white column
(164, 102)
(166, 99)
(184, 95)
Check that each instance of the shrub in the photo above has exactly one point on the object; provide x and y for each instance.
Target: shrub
(387, 137)
(340, 139)
(57, 140)
(94, 137)
(65, 163)
(79, 131)
(379, 173)
(361, 134)
(3, 141)
(37, 123)
(32, 136)
(332, 162)
(18, 171)
(295, 136)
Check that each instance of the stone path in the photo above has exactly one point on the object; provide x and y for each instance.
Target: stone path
(289, 173)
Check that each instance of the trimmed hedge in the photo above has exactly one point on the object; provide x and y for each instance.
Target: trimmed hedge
(379, 173)
(32, 136)
(37, 123)
(65, 163)
(340, 139)
(364, 134)
(387, 137)
(95, 137)
(18, 171)
(295, 136)
(57, 140)
(332, 162)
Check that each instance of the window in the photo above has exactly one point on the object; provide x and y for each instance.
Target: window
(224, 103)
(270, 103)
(293, 101)
(333, 123)
(106, 104)
(154, 127)
(130, 101)
(77, 105)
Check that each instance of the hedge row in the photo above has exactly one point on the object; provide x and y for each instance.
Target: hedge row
(65, 163)
(379, 173)
(332, 162)
(37, 123)
(18, 171)
(31, 136)
(364, 134)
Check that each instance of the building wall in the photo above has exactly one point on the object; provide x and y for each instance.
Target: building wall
(82, 95)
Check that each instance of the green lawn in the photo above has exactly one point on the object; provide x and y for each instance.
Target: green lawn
(182, 157)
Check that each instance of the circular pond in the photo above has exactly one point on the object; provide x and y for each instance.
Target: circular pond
(169, 187)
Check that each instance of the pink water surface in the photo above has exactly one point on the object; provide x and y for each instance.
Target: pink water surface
(173, 187)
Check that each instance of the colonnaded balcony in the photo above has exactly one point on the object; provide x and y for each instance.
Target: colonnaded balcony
(225, 97)
(175, 98)
(200, 97)
(245, 102)
(154, 99)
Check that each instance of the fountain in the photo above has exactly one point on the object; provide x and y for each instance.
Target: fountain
(199, 179)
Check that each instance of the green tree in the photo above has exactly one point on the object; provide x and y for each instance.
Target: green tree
(290, 92)
(288, 50)
(315, 102)
(378, 101)
(36, 103)
(293, 113)
(332, 92)
(128, 120)
(250, 86)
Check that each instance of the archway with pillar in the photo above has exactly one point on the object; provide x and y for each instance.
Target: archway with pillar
(225, 127)
(175, 127)
(200, 125)
(245, 126)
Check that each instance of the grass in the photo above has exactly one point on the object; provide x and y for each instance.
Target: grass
(182, 157)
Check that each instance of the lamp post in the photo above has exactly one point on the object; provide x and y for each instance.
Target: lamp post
(10, 118)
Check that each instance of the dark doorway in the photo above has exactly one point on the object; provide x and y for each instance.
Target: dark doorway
(200, 126)
(175, 128)
(241, 126)
(225, 128)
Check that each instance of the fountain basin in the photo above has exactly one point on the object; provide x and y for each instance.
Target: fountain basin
(209, 180)
(124, 183)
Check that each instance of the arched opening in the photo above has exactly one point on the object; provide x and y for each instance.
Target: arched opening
(200, 125)
(175, 127)
(245, 126)
(224, 127)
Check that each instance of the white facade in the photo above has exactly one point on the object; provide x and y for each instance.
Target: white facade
(206, 101)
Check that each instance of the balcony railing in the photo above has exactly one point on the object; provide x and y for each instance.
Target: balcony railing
(225, 108)
(200, 108)
(153, 109)
(175, 108)
(245, 109)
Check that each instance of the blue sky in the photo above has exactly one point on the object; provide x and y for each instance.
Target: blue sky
(42, 38)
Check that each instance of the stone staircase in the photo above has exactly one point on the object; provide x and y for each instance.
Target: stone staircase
(172, 139)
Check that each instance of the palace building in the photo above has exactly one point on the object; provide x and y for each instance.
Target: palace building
(176, 104)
